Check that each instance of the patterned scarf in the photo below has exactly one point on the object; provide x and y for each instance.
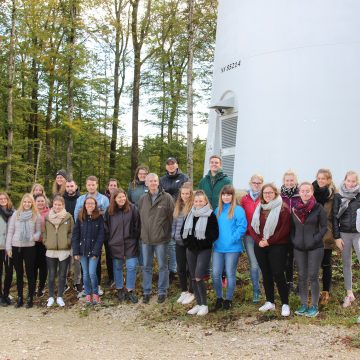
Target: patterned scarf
(271, 221)
(254, 195)
(302, 210)
(346, 196)
(200, 227)
(289, 192)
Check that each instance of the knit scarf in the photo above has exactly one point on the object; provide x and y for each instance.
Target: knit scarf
(6, 213)
(302, 210)
(200, 227)
(272, 220)
(56, 218)
(254, 195)
(25, 218)
(346, 196)
(322, 194)
(289, 192)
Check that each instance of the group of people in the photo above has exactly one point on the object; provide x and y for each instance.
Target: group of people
(194, 234)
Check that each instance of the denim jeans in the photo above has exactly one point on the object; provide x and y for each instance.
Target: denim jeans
(130, 272)
(90, 279)
(254, 266)
(148, 256)
(230, 262)
(172, 255)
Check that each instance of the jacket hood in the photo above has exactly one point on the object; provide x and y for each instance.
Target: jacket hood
(75, 196)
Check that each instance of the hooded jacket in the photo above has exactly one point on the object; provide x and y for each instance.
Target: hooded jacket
(172, 183)
(70, 202)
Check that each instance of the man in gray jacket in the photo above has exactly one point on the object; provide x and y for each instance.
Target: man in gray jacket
(156, 213)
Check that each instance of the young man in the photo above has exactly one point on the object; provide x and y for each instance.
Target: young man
(213, 182)
(156, 212)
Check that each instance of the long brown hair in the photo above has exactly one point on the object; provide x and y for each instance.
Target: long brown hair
(114, 207)
(271, 185)
(230, 190)
(83, 212)
(9, 205)
(140, 167)
(180, 205)
(58, 190)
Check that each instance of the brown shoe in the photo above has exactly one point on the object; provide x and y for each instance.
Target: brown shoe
(324, 298)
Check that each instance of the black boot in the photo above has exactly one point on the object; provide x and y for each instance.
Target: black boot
(121, 295)
(20, 302)
(29, 302)
(6, 300)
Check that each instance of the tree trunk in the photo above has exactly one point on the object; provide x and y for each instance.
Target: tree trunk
(190, 111)
(11, 73)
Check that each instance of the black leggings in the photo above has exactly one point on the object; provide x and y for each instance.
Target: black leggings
(6, 263)
(109, 262)
(25, 255)
(272, 262)
(40, 265)
(327, 269)
(182, 269)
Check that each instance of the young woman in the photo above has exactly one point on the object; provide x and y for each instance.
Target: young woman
(122, 226)
(290, 195)
(87, 240)
(199, 231)
(137, 187)
(249, 203)
(324, 192)
(346, 204)
(228, 247)
(40, 258)
(59, 183)
(57, 240)
(24, 230)
(309, 225)
(270, 229)
(6, 210)
(38, 189)
(183, 205)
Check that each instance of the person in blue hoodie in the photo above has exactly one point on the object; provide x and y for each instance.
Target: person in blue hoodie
(228, 247)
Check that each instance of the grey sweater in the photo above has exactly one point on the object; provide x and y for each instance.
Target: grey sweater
(14, 230)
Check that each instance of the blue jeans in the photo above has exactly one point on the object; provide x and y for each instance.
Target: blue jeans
(148, 256)
(229, 261)
(90, 279)
(130, 273)
(254, 266)
(172, 255)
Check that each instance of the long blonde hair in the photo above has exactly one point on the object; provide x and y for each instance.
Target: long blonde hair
(180, 205)
(20, 209)
(328, 175)
(230, 190)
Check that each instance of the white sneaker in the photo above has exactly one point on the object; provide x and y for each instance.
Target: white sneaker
(60, 301)
(100, 291)
(267, 306)
(181, 297)
(285, 310)
(203, 310)
(50, 302)
(81, 294)
(189, 298)
(194, 310)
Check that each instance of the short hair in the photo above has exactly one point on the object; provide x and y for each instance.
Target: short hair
(215, 157)
(290, 173)
(271, 185)
(112, 180)
(306, 183)
(59, 198)
(150, 176)
(202, 193)
(92, 178)
(352, 172)
(71, 180)
(256, 176)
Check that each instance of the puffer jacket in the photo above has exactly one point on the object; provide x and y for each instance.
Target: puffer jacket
(309, 236)
(172, 183)
(249, 205)
(59, 239)
(88, 237)
(347, 221)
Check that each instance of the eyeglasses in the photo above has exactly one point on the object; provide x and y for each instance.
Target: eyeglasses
(268, 193)
(256, 183)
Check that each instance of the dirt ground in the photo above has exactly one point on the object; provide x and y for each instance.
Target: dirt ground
(119, 332)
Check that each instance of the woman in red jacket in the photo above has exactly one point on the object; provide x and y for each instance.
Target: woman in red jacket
(249, 203)
(270, 229)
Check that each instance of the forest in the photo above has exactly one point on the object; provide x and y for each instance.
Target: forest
(98, 87)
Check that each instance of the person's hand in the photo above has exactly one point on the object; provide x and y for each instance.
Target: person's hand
(9, 254)
(77, 257)
(263, 243)
(340, 244)
(94, 257)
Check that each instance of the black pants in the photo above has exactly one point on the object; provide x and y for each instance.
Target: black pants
(327, 269)
(109, 262)
(182, 269)
(25, 255)
(40, 264)
(7, 264)
(289, 272)
(59, 268)
(272, 262)
(98, 270)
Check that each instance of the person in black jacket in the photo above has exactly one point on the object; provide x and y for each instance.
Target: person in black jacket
(199, 232)
(309, 225)
(346, 204)
(171, 182)
(87, 240)
(122, 227)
